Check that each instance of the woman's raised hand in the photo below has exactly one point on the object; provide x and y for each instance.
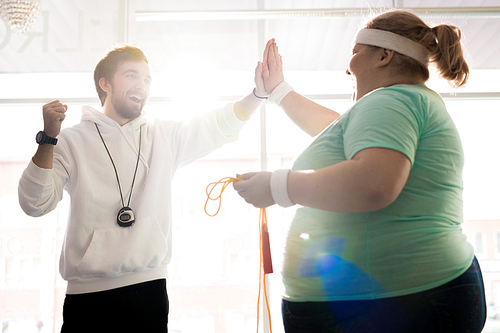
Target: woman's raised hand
(272, 66)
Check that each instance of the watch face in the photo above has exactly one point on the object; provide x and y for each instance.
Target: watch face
(42, 138)
(39, 137)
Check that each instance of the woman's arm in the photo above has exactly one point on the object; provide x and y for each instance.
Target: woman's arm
(309, 116)
(370, 181)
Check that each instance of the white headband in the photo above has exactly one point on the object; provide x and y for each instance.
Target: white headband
(392, 41)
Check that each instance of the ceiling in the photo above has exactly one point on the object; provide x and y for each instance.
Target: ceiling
(72, 35)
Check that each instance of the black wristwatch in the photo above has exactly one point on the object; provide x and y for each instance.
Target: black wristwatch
(42, 138)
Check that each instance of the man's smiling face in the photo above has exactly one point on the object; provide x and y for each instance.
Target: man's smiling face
(129, 89)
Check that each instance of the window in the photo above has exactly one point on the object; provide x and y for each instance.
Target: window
(213, 279)
(479, 243)
(497, 244)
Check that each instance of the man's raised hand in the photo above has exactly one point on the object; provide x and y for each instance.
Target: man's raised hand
(53, 116)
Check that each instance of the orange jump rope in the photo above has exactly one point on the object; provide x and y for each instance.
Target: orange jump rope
(265, 248)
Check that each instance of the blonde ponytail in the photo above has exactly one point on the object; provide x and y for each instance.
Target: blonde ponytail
(448, 55)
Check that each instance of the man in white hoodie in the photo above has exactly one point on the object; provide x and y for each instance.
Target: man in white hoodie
(117, 168)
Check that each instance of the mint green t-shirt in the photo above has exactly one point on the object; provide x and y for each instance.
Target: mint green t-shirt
(412, 245)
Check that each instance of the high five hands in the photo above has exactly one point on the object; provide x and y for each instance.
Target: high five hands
(255, 186)
(269, 72)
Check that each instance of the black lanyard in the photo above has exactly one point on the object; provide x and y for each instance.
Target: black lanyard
(126, 217)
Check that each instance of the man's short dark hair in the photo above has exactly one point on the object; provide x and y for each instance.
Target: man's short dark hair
(106, 68)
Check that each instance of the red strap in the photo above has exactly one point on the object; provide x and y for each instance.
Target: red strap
(265, 246)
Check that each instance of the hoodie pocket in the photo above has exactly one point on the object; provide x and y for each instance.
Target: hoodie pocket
(114, 251)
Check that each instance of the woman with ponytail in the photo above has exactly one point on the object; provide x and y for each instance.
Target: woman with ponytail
(377, 245)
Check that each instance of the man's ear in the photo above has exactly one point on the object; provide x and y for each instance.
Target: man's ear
(386, 57)
(103, 83)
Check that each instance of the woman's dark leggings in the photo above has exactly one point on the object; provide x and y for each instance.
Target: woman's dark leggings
(458, 306)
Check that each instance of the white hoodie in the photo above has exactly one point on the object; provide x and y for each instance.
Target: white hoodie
(97, 253)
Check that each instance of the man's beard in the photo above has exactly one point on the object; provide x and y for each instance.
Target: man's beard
(126, 109)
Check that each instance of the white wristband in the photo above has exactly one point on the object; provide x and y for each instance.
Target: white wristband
(279, 187)
(279, 93)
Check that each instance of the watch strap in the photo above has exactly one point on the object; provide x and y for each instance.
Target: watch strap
(50, 140)
(45, 138)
